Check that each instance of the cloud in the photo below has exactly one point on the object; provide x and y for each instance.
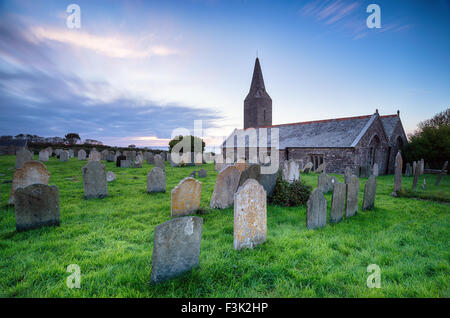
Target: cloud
(112, 46)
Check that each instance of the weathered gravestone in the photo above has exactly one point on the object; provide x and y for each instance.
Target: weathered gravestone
(268, 181)
(348, 172)
(370, 190)
(64, 156)
(156, 180)
(375, 171)
(176, 247)
(57, 152)
(131, 156)
(43, 155)
(324, 183)
(36, 205)
(159, 162)
(252, 172)
(125, 163)
(321, 168)
(241, 166)
(338, 202)
(94, 155)
(408, 170)
(110, 176)
(443, 173)
(352, 197)
(307, 167)
(422, 166)
(111, 157)
(290, 172)
(227, 183)
(104, 154)
(119, 160)
(202, 173)
(316, 210)
(150, 158)
(22, 156)
(250, 215)
(185, 197)
(416, 177)
(398, 172)
(94, 180)
(81, 154)
(32, 172)
(139, 160)
(49, 151)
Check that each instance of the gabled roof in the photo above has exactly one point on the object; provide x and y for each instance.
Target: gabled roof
(330, 133)
(389, 123)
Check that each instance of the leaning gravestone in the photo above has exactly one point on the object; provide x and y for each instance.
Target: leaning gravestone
(250, 215)
(316, 210)
(36, 205)
(22, 156)
(252, 172)
(159, 162)
(32, 172)
(110, 176)
(370, 190)
(338, 202)
(443, 172)
(94, 180)
(202, 173)
(185, 197)
(64, 156)
(81, 154)
(348, 172)
(375, 171)
(227, 183)
(324, 183)
(398, 172)
(43, 155)
(94, 155)
(176, 247)
(352, 197)
(119, 160)
(156, 180)
(321, 168)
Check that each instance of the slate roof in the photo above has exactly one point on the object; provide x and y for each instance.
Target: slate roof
(329, 133)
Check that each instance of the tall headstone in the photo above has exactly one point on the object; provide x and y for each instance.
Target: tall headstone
(316, 210)
(32, 172)
(156, 180)
(227, 183)
(64, 156)
(443, 172)
(36, 205)
(43, 155)
(414, 167)
(416, 177)
(250, 215)
(159, 162)
(352, 197)
(398, 172)
(422, 166)
(176, 247)
(375, 171)
(185, 197)
(22, 156)
(94, 180)
(81, 154)
(338, 202)
(370, 190)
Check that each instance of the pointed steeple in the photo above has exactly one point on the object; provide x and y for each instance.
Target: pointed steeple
(257, 80)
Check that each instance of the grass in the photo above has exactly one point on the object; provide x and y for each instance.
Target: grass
(111, 239)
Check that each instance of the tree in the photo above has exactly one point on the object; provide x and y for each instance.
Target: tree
(431, 141)
(131, 146)
(72, 138)
(189, 142)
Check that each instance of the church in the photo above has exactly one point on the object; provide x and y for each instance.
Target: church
(353, 142)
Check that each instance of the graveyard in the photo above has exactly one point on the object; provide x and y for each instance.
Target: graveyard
(111, 239)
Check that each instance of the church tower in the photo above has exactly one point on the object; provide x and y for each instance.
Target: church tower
(257, 104)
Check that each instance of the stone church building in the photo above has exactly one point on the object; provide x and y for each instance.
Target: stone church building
(353, 142)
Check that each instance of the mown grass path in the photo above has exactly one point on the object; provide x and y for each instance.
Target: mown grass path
(111, 240)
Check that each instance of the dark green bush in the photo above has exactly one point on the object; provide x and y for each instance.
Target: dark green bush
(290, 194)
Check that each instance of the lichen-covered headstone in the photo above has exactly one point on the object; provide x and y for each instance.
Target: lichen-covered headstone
(22, 156)
(338, 202)
(316, 210)
(81, 154)
(250, 215)
(156, 180)
(94, 180)
(32, 172)
(352, 197)
(370, 190)
(36, 205)
(227, 183)
(398, 172)
(185, 197)
(43, 155)
(176, 247)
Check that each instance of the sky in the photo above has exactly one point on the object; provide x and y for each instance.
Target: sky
(136, 72)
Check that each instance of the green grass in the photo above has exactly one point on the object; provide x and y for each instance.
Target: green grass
(111, 240)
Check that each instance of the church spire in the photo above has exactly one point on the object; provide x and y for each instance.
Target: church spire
(257, 80)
